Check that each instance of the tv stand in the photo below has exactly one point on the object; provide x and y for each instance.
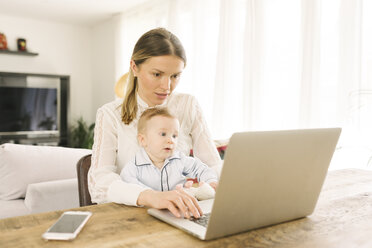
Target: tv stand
(33, 141)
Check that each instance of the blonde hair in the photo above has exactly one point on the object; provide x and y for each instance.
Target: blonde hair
(149, 114)
(156, 42)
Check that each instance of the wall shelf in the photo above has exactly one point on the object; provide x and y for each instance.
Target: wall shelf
(25, 53)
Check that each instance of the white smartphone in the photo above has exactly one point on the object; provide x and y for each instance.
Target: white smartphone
(67, 226)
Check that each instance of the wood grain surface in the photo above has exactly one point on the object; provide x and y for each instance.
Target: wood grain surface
(342, 218)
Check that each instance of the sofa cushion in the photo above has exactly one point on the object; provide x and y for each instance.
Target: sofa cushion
(13, 208)
(21, 165)
(52, 195)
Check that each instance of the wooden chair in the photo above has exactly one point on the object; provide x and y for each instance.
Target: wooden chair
(82, 168)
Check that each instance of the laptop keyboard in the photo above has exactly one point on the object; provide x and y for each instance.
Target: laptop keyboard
(203, 220)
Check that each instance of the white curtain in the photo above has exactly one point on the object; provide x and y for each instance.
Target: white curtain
(267, 64)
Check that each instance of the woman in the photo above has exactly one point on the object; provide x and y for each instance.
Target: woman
(156, 65)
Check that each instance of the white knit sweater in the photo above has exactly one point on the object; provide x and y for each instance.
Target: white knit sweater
(116, 143)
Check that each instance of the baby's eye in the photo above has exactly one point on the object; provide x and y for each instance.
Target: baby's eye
(174, 136)
(163, 134)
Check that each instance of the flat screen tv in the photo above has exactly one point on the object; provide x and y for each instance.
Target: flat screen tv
(29, 106)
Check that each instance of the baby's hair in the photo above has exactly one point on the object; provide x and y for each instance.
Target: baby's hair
(150, 113)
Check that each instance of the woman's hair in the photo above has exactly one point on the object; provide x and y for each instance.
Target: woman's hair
(156, 42)
(150, 113)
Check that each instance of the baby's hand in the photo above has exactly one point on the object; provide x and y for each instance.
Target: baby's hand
(187, 185)
(214, 185)
(203, 192)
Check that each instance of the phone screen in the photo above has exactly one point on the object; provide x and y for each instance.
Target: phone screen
(68, 223)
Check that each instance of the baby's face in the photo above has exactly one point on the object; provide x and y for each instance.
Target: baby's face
(160, 138)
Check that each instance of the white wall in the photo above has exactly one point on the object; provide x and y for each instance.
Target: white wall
(63, 49)
(104, 61)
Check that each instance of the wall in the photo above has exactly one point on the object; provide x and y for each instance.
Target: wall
(104, 61)
(63, 49)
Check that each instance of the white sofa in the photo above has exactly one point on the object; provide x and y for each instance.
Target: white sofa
(36, 179)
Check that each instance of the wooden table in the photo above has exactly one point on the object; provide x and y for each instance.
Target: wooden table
(342, 218)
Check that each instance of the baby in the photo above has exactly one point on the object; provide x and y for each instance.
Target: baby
(157, 165)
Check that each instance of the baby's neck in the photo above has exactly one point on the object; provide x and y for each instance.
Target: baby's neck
(158, 163)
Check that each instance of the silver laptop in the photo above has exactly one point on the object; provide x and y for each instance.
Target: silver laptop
(267, 178)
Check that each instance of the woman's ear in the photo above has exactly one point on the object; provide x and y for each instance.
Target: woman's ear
(133, 67)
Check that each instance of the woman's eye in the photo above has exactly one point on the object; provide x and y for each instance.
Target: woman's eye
(156, 74)
(176, 76)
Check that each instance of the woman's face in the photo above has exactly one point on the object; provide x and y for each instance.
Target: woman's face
(157, 77)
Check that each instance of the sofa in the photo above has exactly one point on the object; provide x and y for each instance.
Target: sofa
(36, 179)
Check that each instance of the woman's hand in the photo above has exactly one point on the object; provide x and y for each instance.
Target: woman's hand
(178, 202)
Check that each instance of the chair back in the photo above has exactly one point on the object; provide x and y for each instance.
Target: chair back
(82, 168)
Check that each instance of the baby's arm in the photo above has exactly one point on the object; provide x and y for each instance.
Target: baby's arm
(207, 177)
(195, 168)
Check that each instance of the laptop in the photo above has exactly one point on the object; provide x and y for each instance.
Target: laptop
(268, 177)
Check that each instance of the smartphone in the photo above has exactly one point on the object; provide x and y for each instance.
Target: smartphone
(67, 226)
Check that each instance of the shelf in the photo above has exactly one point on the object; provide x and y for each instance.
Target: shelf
(18, 53)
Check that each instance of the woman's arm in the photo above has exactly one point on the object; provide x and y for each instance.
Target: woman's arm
(202, 142)
(105, 184)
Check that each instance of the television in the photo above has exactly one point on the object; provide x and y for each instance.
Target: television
(29, 107)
